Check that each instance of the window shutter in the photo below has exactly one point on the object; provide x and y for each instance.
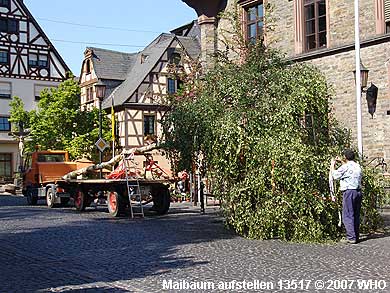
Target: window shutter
(387, 10)
(5, 89)
(39, 88)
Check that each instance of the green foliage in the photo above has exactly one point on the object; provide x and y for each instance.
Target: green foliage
(58, 122)
(269, 160)
(18, 114)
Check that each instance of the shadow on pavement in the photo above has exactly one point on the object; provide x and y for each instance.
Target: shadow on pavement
(63, 249)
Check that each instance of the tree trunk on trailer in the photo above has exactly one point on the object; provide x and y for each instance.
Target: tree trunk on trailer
(113, 161)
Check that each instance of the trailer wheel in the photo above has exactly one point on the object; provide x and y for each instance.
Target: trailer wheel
(31, 198)
(50, 198)
(115, 204)
(80, 200)
(161, 200)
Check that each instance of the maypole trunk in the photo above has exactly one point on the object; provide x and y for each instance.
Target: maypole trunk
(113, 161)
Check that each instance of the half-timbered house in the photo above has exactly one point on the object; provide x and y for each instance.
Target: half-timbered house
(137, 84)
(28, 64)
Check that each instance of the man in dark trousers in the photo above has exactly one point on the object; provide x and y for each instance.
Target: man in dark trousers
(350, 176)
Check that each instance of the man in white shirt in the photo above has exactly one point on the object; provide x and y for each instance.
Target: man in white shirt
(350, 176)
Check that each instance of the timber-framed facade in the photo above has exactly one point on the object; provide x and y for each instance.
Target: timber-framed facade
(29, 63)
(137, 85)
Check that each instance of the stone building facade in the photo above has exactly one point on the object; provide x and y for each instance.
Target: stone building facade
(321, 32)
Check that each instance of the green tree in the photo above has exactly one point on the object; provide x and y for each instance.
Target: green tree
(59, 123)
(266, 135)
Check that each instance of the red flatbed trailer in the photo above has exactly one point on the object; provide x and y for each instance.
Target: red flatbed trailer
(115, 191)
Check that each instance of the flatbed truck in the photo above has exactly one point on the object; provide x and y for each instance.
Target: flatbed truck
(43, 179)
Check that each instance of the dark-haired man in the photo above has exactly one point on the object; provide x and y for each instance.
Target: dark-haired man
(350, 176)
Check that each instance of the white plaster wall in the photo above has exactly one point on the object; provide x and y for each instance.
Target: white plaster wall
(24, 89)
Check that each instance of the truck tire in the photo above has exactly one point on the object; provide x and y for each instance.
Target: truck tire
(161, 200)
(50, 198)
(115, 204)
(31, 198)
(80, 200)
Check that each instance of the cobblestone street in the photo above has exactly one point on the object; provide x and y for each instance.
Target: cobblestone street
(60, 250)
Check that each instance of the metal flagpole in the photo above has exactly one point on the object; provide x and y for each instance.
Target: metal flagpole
(358, 82)
(113, 128)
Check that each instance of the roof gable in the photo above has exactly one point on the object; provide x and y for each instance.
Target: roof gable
(146, 61)
(18, 8)
(142, 67)
(111, 65)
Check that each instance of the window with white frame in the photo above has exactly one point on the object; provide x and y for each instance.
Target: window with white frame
(38, 60)
(5, 125)
(4, 57)
(173, 85)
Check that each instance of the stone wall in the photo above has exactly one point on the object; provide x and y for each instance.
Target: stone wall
(338, 69)
(338, 65)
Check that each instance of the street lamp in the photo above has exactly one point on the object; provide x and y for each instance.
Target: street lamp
(100, 90)
(363, 76)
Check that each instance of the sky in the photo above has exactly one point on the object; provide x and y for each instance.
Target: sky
(120, 25)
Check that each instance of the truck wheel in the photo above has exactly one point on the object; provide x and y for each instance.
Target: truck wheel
(115, 204)
(80, 200)
(31, 198)
(161, 200)
(50, 198)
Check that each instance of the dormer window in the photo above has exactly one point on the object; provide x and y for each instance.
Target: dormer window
(175, 58)
(38, 60)
(144, 58)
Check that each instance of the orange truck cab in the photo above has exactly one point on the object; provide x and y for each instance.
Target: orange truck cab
(42, 169)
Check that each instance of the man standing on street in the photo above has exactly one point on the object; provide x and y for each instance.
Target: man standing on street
(350, 176)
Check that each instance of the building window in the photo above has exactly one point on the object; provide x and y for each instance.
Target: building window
(88, 67)
(5, 125)
(38, 89)
(6, 165)
(175, 58)
(89, 94)
(254, 22)
(174, 85)
(315, 24)
(4, 57)
(5, 3)
(386, 10)
(9, 25)
(171, 86)
(5, 90)
(38, 60)
(149, 121)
